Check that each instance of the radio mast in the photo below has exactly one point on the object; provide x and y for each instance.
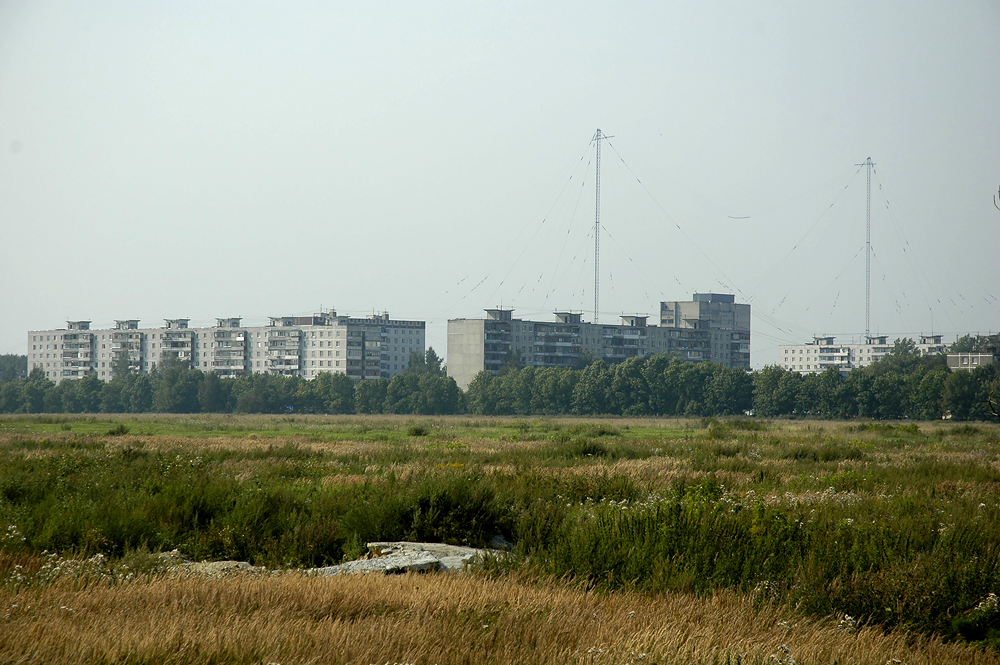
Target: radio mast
(598, 137)
(868, 251)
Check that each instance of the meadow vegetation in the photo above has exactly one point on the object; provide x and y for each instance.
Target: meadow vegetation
(885, 530)
(426, 619)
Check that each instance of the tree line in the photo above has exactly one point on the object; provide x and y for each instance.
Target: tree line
(174, 387)
(901, 385)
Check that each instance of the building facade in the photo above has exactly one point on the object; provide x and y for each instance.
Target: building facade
(824, 353)
(476, 345)
(970, 362)
(362, 348)
(727, 322)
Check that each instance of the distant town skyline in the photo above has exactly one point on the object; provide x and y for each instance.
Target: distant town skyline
(262, 160)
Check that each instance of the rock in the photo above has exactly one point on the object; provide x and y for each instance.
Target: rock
(171, 558)
(398, 563)
(401, 557)
(383, 557)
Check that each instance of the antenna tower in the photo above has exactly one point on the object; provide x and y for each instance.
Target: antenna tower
(598, 137)
(868, 251)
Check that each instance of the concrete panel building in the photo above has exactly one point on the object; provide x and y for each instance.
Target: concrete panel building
(970, 362)
(727, 322)
(476, 345)
(362, 348)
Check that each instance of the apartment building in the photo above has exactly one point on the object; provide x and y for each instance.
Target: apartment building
(476, 345)
(727, 322)
(970, 362)
(362, 348)
(824, 352)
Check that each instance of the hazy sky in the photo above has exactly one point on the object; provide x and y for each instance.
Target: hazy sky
(202, 160)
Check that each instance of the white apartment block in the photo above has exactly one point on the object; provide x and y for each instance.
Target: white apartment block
(362, 348)
(823, 353)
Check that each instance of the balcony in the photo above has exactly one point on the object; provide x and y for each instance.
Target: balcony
(283, 357)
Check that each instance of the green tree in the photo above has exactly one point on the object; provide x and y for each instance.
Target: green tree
(440, 395)
(926, 394)
(862, 382)
(904, 347)
(976, 344)
(661, 372)
(630, 394)
(433, 363)
(13, 366)
(11, 396)
(553, 390)
(829, 397)
(88, 393)
(890, 395)
(427, 363)
(959, 395)
(479, 395)
(591, 394)
(730, 392)
(176, 387)
(369, 395)
(137, 397)
(516, 387)
(985, 378)
(965, 344)
(265, 393)
(212, 393)
(766, 391)
(34, 391)
(422, 393)
(56, 398)
(327, 393)
(584, 360)
(693, 380)
(127, 391)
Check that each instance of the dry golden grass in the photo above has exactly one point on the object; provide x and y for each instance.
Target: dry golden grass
(421, 619)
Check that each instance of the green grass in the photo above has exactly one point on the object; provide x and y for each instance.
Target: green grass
(892, 524)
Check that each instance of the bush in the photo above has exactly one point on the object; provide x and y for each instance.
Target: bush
(120, 429)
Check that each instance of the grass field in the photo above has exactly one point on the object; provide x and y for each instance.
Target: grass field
(845, 542)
